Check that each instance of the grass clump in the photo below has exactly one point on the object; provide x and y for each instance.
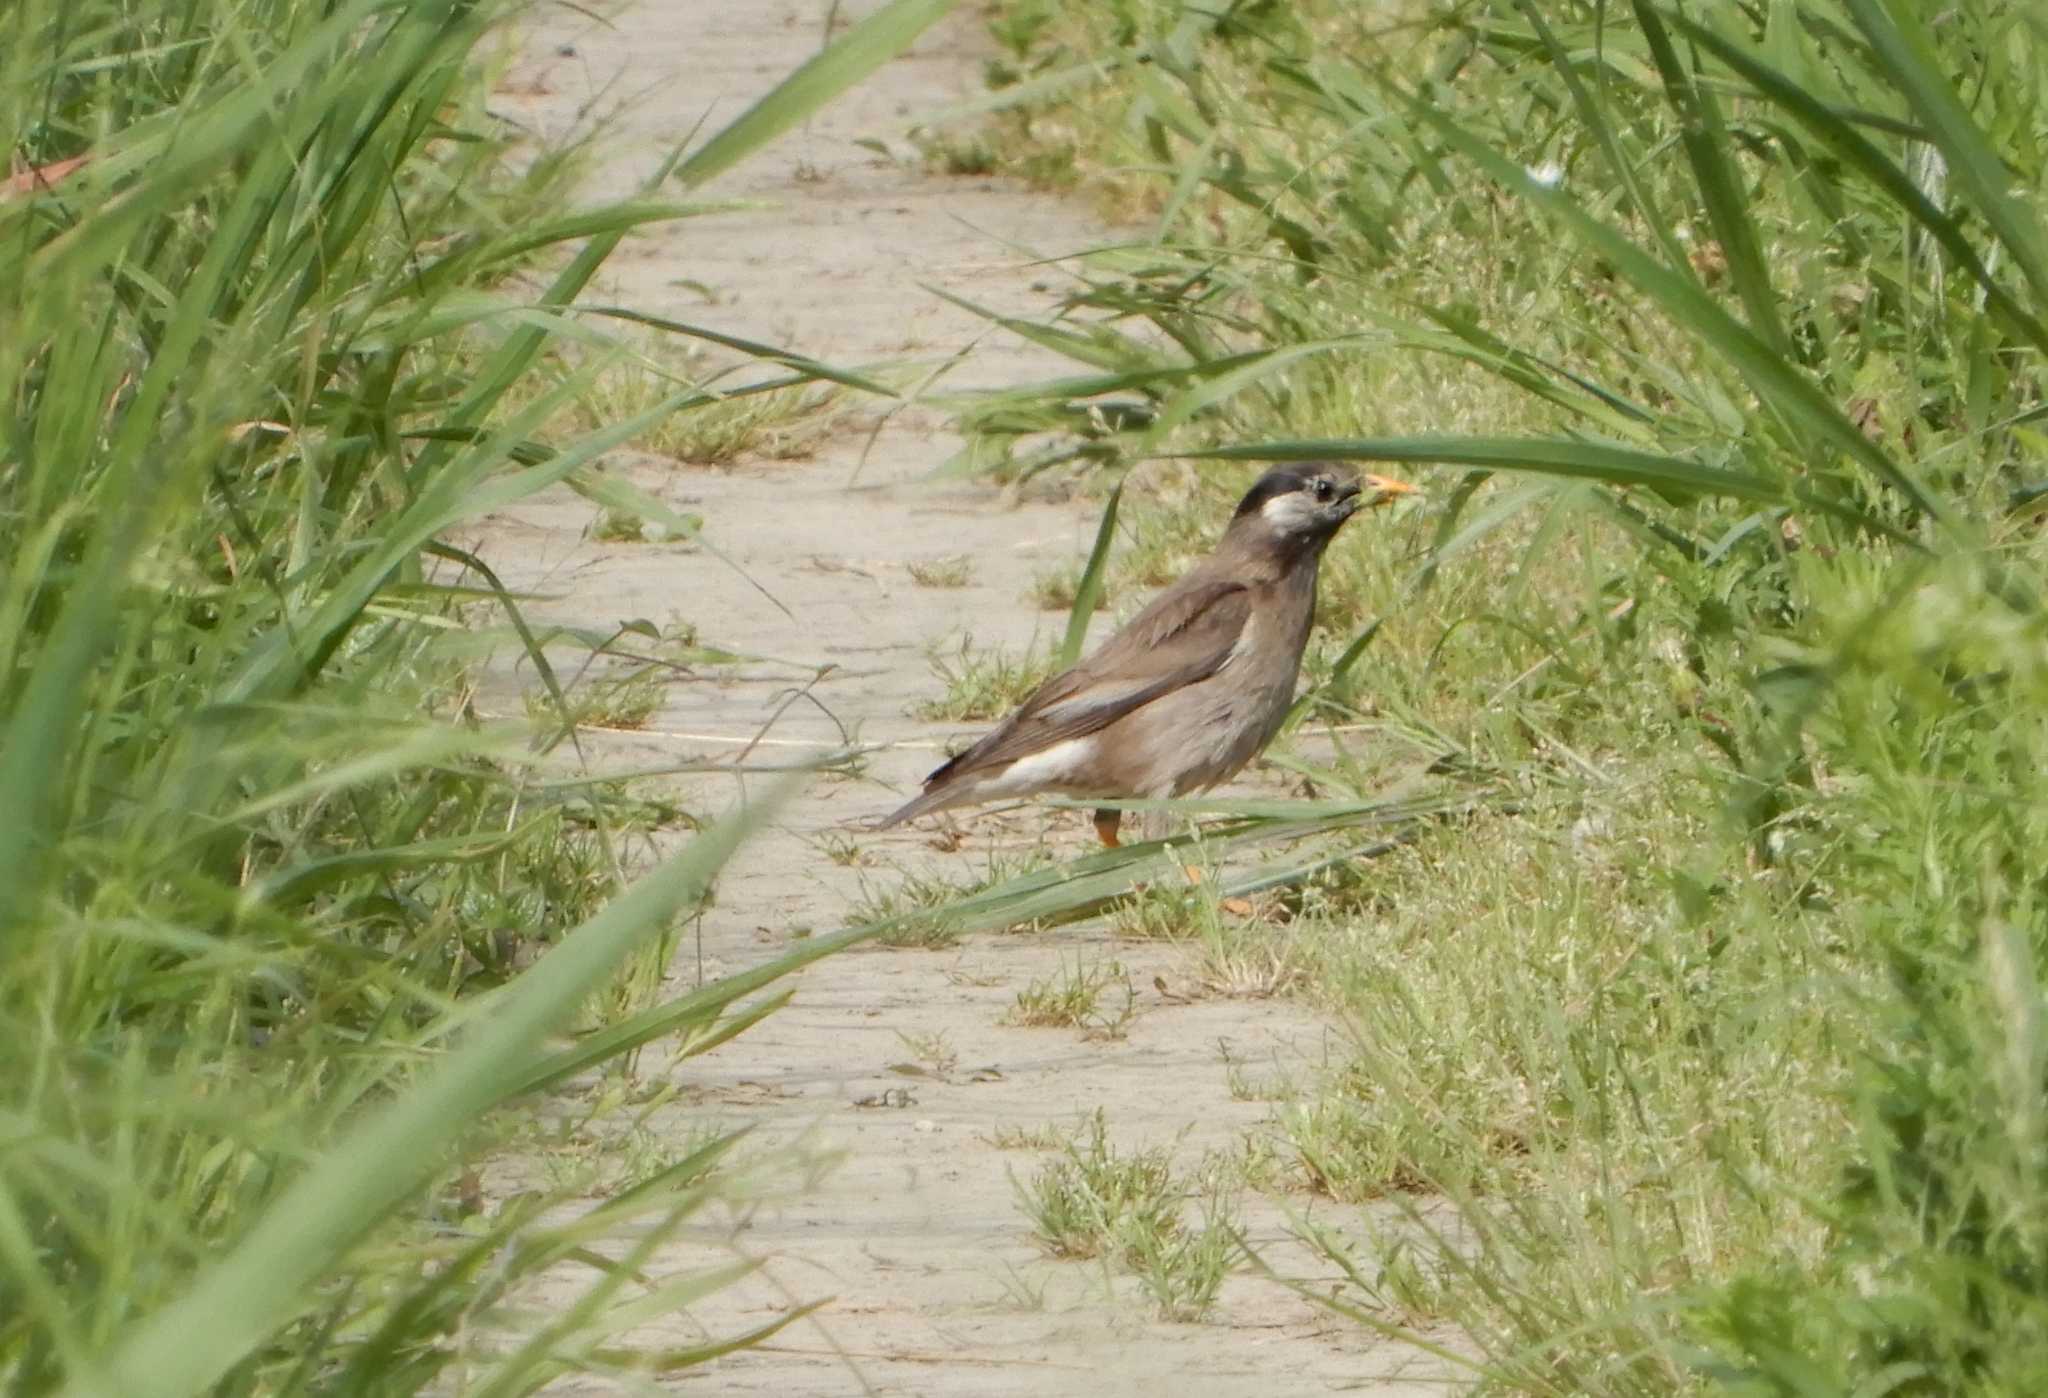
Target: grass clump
(958, 155)
(1127, 1209)
(948, 571)
(981, 684)
(915, 909)
(627, 699)
(921, 909)
(1028, 1137)
(1235, 951)
(1055, 589)
(1073, 999)
(615, 526)
(1718, 337)
(722, 422)
(621, 680)
(782, 425)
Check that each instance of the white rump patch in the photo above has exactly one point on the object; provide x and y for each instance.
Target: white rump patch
(1039, 771)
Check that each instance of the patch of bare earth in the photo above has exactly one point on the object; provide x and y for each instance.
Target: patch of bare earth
(896, 1061)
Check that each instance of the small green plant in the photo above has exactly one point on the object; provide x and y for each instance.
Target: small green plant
(1183, 1270)
(915, 902)
(1072, 999)
(1054, 589)
(932, 1050)
(1050, 166)
(1244, 1087)
(981, 684)
(951, 154)
(1018, 26)
(1170, 910)
(843, 850)
(952, 570)
(627, 698)
(1127, 1209)
(922, 904)
(621, 679)
(785, 424)
(1262, 1163)
(1239, 954)
(1394, 1270)
(1020, 1292)
(1355, 1151)
(615, 526)
(1047, 1137)
(1094, 1201)
(1250, 958)
(782, 424)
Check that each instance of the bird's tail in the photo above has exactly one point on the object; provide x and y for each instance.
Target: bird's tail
(938, 792)
(925, 802)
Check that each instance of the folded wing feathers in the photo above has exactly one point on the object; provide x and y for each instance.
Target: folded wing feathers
(1186, 635)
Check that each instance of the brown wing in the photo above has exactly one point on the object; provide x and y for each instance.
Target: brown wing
(1185, 636)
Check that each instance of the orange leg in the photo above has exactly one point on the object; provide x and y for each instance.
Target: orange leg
(1106, 823)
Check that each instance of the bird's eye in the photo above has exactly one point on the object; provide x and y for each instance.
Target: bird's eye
(1324, 490)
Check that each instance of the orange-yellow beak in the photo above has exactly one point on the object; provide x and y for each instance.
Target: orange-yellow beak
(1382, 490)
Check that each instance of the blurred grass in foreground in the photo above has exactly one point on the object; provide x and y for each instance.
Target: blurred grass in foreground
(273, 283)
(1719, 1032)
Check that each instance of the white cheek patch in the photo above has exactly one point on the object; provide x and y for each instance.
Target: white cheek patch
(1290, 511)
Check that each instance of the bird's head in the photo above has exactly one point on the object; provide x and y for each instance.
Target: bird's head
(1305, 503)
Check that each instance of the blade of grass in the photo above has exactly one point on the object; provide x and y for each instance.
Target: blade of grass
(1597, 461)
(1777, 381)
(1850, 145)
(810, 368)
(1705, 138)
(1900, 44)
(1089, 591)
(862, 49)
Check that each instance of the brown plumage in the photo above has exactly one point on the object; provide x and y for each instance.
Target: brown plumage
(1198, 682)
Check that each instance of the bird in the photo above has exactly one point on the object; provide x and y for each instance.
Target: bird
(1194, 686)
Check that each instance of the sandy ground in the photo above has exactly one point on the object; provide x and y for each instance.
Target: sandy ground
(916, 1233)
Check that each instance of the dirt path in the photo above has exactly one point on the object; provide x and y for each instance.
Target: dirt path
(917, 1232)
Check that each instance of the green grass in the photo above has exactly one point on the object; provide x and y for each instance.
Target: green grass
(924, 910)
(1253, 948)
(1056, 589)
(1028, 1137)
(981, 684)
(615, 526)
(620, 680)
(950, 155)
(1097, 999)
(946, 571)
(782, 424)
(1129, 1209)
(628, 699)
(1713, 1026)
(284, 924)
